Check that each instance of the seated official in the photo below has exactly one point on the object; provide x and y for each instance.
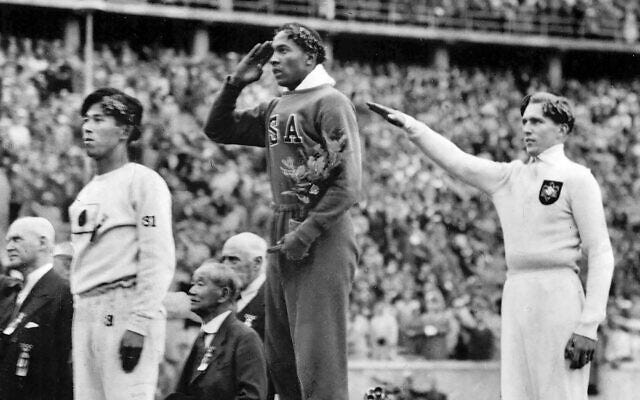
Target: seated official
(227, 360)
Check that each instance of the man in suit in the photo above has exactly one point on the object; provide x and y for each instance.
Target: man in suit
(246, 254)
(35, 318)
(227, 360)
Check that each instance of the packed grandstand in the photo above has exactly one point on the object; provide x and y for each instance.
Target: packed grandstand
(432, 261)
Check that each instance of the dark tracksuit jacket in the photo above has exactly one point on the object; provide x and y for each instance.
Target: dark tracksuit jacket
(306, 301)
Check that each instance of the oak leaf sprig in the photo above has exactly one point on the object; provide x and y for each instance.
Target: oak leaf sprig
(321, 167)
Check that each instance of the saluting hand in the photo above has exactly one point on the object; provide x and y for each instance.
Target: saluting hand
(396, 117)
(579, 350)
(250, 67)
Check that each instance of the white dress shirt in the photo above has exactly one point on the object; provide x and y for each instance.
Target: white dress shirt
(30, 281)
(250, 292)
(212, 327)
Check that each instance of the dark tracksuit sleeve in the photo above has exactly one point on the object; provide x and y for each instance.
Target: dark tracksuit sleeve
(337, 120)
(228, 126)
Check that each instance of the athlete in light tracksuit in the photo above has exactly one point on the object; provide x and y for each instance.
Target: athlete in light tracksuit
(124, 258)
(551, 211)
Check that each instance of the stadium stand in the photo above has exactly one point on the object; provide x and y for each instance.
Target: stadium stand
(432, 258)
(591, 19)
(419, 231)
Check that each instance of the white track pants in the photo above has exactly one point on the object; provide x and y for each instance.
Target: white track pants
(540, 310)
(98, 325)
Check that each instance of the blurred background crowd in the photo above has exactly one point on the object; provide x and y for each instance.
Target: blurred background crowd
(432, 262)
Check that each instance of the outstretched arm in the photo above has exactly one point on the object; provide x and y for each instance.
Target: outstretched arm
(481, 173)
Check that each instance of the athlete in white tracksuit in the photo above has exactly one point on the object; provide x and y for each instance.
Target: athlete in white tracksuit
(124, 259)
(550, 209)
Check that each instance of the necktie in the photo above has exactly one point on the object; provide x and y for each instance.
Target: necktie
(8, 309)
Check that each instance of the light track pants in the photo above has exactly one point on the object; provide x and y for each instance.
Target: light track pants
(540, 310)
(98, 325)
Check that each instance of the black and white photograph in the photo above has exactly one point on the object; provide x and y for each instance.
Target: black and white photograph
(319, 199)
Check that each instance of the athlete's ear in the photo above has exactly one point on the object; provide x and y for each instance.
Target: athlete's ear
(564, 130)
(311, 59)
(126, 131)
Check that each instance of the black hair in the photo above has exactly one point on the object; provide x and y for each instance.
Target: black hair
(308, 39)
(556, 108)
(125, 109)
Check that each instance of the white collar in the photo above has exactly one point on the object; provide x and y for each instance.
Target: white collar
(552, 154)
(318, 76)
(34, 276)
(214, 325)
(251, 291)
(31, 279)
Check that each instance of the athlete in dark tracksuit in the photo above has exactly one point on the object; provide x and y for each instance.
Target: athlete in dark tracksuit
(309, 279)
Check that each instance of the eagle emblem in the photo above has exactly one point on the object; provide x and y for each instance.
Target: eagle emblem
(549, 192)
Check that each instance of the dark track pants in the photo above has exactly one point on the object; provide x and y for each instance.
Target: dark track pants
(306, 314)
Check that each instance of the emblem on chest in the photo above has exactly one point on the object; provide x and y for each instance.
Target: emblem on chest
(549, 192)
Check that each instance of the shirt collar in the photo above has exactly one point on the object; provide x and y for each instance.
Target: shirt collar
(552, 154)
(214, 325)
(30, 281)
(254, 286)
(318, 76)
(34, 276)
(251, 291)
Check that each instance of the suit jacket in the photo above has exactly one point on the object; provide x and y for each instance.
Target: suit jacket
(253, 313)
(43, 339)
(237, 370)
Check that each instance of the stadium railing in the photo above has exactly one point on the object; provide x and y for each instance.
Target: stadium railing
(420, 14)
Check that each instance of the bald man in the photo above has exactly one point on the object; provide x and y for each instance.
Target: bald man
(246, 254)
(35, 317)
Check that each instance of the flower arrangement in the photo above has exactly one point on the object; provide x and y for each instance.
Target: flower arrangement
(320, 167)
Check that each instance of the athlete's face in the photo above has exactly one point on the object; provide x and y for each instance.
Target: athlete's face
(540, 132)
(101, 133)
(290, 64)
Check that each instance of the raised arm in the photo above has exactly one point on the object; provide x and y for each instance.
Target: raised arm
(475, 171)
(225, 124)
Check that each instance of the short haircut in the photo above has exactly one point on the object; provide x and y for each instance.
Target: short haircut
(308, 39)
(223, 276)
(125, 109)
(41, 227)
(251, 243)
(556, 108)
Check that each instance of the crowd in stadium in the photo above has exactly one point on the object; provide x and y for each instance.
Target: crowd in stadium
(432, 261)
(592, 18)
